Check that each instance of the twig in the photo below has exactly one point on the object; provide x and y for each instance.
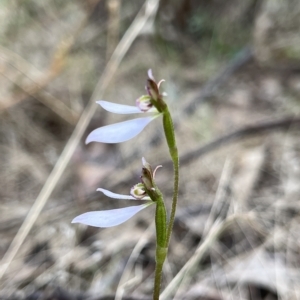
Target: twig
(133, 31)
(134, 255)
(221, 202)
(194, 261)
(252, 130)
(113, 26)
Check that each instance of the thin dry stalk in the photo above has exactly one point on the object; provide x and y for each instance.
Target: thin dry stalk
(129, 265)
(217, 214)
(148, 9)
(190, 265)
(221, 197)
(113, 26)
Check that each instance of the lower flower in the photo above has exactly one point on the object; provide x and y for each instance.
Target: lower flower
(113, 217)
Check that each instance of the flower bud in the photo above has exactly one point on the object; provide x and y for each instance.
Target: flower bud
(147, 179)
(147, 165)
(152, 89)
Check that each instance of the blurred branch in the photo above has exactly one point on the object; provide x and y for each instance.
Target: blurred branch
(252, 130)
(113, 26)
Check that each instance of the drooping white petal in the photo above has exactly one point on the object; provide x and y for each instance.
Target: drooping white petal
(119, 108)
(115, 196)
(109, 218)
(119, 132)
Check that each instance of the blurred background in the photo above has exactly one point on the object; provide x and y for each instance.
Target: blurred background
(232, 71)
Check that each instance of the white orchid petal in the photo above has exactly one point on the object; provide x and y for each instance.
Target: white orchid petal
(119, 196)
(115, 196)
(119, 132)
(119, 108)
(109, 218)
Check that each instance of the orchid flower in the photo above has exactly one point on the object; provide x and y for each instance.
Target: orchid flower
(124, 131)
(114, 217)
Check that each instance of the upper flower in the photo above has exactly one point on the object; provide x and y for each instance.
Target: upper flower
(124, 131)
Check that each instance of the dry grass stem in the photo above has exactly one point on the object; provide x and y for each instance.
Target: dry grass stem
(121, 289)
(113, 26)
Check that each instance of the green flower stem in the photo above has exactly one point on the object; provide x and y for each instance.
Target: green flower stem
(164, 231)
(161, 223)
(161, 239)
(161, 227)
(161, 254)
(160, 213)
(170, 137)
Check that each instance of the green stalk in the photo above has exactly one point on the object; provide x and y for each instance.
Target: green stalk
(170, 137)
(164, 231)
(161, 249)
(161, 229)
(161, 254)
